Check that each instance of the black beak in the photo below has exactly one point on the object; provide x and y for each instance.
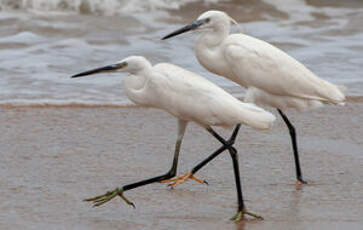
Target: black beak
(99, 70)
(186, 28)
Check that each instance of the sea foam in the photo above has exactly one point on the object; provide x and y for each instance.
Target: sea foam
(99, 7)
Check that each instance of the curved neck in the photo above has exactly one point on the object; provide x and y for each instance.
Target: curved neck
(207, 48)
(215, 36)
(141, 68)
(135, 84)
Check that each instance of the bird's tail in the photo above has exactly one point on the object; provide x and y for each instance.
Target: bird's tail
(342, 89)
(257, 117)
(337, 94)
(331, 93)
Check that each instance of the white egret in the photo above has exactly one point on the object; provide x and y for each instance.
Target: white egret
(188, 97)
(271, 76)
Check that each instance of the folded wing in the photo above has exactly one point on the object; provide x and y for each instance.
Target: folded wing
(256, 63)
(191, 97)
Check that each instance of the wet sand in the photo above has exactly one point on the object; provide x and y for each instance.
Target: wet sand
(52, 158)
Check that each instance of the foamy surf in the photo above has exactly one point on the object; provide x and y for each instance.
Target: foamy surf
(43, 42)
(100, 7)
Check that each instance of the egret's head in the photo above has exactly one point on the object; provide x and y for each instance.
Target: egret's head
(212, 19)
(132, 64)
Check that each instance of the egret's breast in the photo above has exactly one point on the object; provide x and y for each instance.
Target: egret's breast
(135, 88)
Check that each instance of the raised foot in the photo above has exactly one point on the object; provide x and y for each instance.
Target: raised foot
(183, 178)
(240, 215)
(100, 200)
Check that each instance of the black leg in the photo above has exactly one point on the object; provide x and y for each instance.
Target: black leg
(241, 206)
(233, 153)
(292, 131)
(227, 144)
(99, 200)
(172, 172)
(234, 157)
(208, 159)
(221, 139)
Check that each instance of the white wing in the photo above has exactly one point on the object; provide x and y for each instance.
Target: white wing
(191, 97)
(257, 63)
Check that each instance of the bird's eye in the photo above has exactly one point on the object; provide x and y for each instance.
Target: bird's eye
(123, 64)
(207, 20)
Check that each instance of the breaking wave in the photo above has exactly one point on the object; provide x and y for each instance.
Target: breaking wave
(98, 7)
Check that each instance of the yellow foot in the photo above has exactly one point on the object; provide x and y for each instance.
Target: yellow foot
(241, 216)
(172, 179)
(100, 200)
(181, 179)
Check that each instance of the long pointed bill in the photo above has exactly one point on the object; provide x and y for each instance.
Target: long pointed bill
(186, 28)
(107, 68)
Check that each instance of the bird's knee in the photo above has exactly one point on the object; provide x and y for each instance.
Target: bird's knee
(233, 150)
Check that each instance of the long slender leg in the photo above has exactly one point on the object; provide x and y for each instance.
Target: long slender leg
(181, 130)
(241, 206)
(99, 200)
(233, 153)
(234, 157)
(227, 144)
(231, 140)
(292, 132)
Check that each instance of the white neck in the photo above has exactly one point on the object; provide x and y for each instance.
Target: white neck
(135, 84)
(214, 37)
(207, 48)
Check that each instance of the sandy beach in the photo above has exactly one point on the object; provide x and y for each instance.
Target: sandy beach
(65, 140)
(53, 157)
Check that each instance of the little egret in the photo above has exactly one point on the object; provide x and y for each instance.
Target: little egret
(188, 97)
(271, 76)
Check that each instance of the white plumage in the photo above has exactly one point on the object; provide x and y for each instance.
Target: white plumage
(270, 76)
(278, 74)
(256, 64)
(190, 97)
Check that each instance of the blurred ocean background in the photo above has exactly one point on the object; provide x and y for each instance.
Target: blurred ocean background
(43, 42)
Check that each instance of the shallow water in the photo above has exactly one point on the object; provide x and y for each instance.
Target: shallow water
(43, 42)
